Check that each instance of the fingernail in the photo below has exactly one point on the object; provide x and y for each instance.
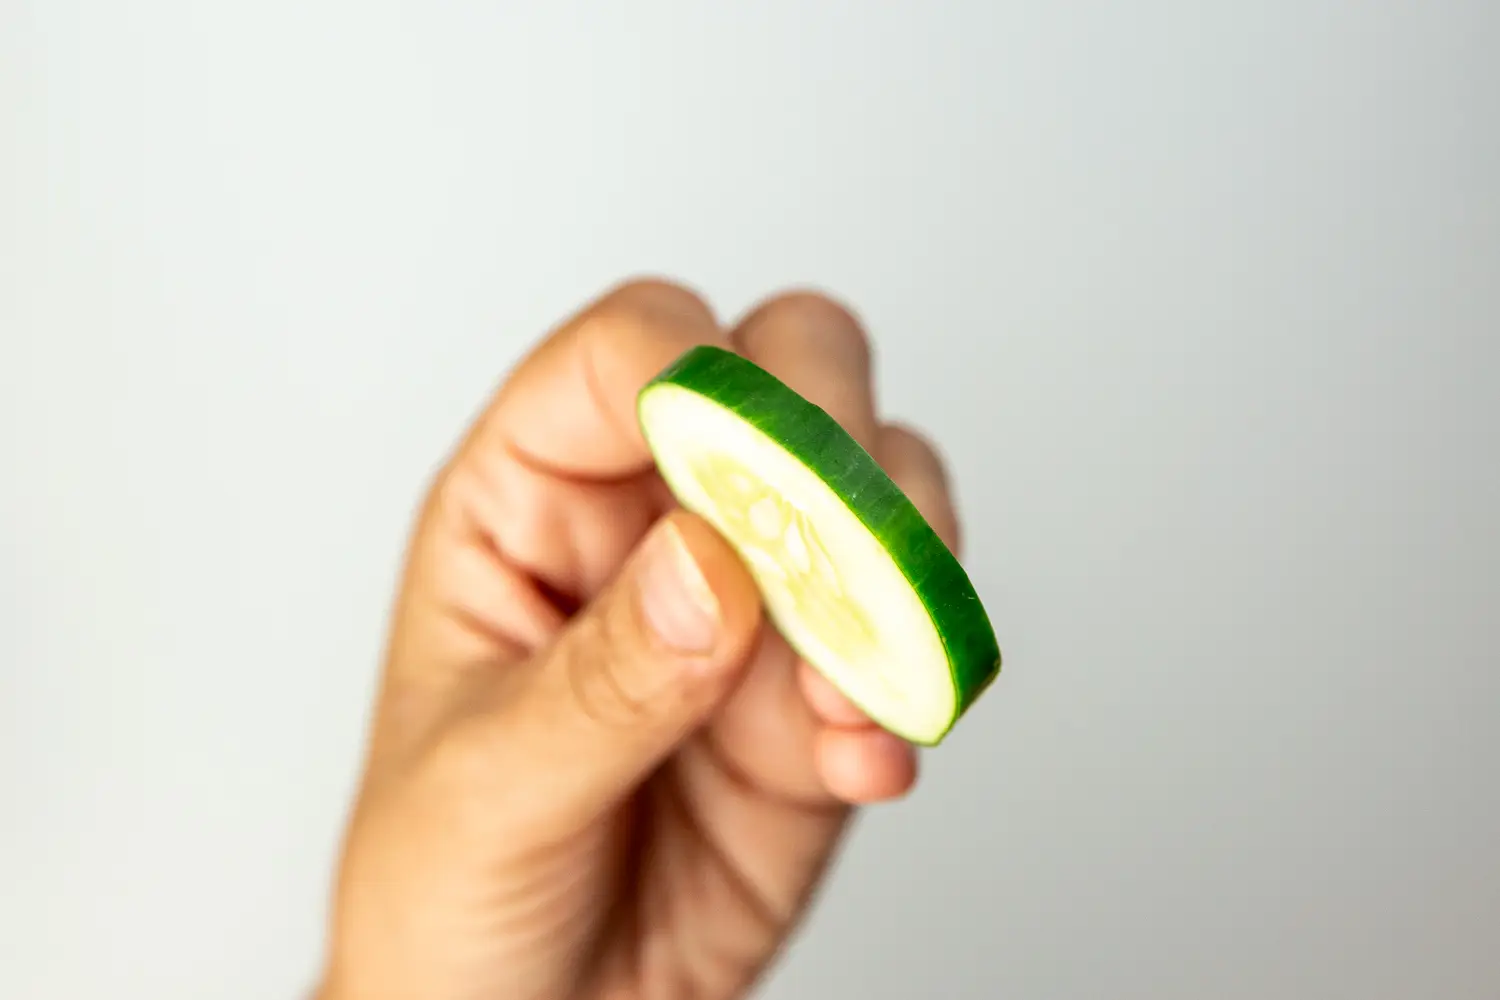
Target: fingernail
(675, 598)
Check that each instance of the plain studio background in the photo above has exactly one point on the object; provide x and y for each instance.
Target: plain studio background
(1203, 299)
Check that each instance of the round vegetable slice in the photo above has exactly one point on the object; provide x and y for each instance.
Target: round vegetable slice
(850, 572)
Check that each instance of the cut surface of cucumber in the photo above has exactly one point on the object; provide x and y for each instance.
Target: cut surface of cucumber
(850, 573)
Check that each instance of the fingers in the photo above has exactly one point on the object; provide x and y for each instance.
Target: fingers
(817, 347)
(636, 671)
(863, 766)
(553, 478)
(555, 481)
(828, 702)
(569, 407)
(550, 490)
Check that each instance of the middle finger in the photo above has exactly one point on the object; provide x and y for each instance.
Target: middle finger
(819, 349)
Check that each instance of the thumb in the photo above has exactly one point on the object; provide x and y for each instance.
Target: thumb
(639, 669)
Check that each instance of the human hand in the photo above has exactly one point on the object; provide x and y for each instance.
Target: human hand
(594, 772)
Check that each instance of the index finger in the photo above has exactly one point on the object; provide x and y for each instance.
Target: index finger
(569, 407)
(542, 500)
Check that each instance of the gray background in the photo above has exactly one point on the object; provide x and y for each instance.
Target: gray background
(1203, 299)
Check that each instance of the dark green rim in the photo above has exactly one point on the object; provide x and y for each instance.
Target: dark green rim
(819, 442)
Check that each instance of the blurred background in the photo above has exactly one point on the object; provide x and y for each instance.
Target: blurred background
(1202, 299)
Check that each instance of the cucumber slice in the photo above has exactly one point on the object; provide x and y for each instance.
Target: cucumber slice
(850, 573)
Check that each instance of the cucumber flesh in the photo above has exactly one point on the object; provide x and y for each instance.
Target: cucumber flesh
(850, 573)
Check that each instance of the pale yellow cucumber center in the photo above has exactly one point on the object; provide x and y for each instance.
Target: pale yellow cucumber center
(786, 553)
(830, 587)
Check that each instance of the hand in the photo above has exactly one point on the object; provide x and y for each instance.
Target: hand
(594, 773)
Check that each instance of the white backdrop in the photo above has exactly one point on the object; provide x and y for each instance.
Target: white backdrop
(1202, 300)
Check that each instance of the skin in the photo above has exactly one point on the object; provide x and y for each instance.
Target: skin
(578, 787)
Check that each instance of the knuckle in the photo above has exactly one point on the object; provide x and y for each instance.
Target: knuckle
(646, 299)
(482, 496)
(597, 667)
(639, 316)
(457, 491)
(809, 312)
